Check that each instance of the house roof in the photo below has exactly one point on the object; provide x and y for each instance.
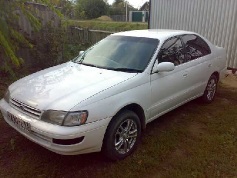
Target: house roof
(145, 6)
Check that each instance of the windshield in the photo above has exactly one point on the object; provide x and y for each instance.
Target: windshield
(121, 53)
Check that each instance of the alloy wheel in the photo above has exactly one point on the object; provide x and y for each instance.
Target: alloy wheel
(125, 136)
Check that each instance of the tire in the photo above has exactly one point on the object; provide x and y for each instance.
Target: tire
(210, 91)
(122, 136)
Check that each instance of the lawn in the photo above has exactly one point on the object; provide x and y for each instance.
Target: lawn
(106, 25)
(195, 140)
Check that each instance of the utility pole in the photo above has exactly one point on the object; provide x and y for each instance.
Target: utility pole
(126, 6)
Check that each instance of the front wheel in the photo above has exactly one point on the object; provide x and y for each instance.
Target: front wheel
(210, 91)
(122, 135)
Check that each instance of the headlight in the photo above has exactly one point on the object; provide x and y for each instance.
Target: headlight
(75, 118)
(65, 118)
(7, 96)
(54, 117)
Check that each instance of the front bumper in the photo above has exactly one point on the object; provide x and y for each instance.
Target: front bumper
(43, 133)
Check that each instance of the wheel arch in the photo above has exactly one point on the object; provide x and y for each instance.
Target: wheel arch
(137, 109)
(217, 75)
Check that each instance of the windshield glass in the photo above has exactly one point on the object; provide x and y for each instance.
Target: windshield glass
(122, 53)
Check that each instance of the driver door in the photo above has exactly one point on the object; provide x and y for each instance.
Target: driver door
(168, 88)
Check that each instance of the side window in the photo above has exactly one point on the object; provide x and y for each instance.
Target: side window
(195, 47)
(172, 51)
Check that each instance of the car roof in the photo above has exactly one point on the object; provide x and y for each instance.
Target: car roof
(161, 34)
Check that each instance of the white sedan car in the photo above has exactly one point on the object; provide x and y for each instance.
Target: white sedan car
(103, 99)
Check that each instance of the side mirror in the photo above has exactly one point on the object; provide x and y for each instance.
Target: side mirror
(163, 67)
(81, 52)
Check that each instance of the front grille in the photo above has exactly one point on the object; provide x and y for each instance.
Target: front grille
(25, 108)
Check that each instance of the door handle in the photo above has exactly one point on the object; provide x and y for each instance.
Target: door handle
(209, 65)
(185, 75)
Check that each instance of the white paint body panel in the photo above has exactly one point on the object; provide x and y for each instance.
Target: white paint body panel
(75, 87)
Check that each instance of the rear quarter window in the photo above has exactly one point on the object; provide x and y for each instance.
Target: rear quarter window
(195, 46)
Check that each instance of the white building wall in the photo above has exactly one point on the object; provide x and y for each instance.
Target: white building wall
(214, 19)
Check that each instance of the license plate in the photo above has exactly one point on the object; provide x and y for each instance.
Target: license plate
(19, 122)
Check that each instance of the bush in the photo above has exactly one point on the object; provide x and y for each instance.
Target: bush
(48, 46)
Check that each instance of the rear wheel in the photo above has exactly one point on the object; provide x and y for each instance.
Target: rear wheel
(210, 91)
(122, 135)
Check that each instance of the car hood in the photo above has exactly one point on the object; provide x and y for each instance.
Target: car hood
(64, 86)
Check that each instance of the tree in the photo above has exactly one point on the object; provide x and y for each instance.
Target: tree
(117, 2)
(11, 38)
(118, 8)
(92, 8)
(66, 6)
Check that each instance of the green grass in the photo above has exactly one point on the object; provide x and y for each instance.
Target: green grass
(106, 25)
(194, 140)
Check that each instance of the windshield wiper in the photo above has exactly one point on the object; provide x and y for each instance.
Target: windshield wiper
(91, 65)
(83, 56)
(127, 70)
(81, 60)
(115, 69)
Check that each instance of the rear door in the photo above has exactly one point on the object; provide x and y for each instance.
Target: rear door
(197, 63)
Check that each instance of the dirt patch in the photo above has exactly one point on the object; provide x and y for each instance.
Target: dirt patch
(179, 153)
(6, 132)
(7, 145)
(105, 18)
(226, 101)
(2, 89)
(168, 164)
(230, 81)
(197, 129)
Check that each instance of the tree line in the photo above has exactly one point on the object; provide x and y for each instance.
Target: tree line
(91, 9)
(88, 9)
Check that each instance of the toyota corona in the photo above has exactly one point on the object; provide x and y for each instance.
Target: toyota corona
(103, 99)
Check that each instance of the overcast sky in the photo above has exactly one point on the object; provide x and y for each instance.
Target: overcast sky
(134, 3)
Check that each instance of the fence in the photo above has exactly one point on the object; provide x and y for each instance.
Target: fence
(73, 36)
(77, 35)
(43, 13)
(118, 18)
